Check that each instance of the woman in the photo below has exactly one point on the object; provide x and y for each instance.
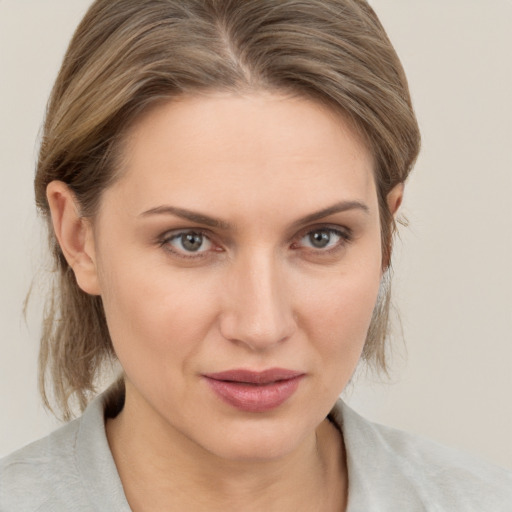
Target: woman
(220, 180)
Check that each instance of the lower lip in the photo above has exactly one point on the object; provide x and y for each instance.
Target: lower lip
(255, 397)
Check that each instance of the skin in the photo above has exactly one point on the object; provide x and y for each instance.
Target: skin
(257, 294)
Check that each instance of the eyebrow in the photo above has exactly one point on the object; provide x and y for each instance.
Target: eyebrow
(201, 218)
(342, 206)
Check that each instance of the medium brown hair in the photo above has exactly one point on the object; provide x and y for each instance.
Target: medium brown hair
(127, 55)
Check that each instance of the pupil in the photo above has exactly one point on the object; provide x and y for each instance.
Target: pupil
(192, 241)
(320, 239)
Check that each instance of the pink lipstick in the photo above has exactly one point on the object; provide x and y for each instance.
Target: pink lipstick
(252, 391)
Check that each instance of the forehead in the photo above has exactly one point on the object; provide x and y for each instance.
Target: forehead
(208, 146)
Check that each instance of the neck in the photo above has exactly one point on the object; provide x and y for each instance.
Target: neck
(160, 467)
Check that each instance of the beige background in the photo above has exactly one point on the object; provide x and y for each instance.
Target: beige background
(453, 264)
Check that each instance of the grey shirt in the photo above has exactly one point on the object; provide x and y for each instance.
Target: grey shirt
(73, 470)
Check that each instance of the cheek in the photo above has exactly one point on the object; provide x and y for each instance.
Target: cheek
(339, 315)
(157, 318)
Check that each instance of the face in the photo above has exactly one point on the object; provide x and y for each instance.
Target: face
(238, 258)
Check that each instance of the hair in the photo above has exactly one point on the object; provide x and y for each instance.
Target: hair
(128, 55)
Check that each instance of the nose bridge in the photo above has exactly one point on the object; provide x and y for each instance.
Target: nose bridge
(259, 310)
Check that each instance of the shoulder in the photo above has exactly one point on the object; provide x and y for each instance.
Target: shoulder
(401, 466)
(32, 478)
(71, 469)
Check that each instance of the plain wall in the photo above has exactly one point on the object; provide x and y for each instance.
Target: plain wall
(453, 283)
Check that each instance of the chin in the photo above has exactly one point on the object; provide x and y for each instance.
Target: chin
(259, 440)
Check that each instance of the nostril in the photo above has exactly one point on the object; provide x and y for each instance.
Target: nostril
(253, 334)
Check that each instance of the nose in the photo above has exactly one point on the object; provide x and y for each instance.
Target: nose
(257, 310)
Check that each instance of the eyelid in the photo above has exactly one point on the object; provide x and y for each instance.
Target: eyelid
(335, 228)
(343, 232)
(165, 239)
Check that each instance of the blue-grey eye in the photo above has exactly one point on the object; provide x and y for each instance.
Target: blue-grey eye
(190, 241)
(321, 238)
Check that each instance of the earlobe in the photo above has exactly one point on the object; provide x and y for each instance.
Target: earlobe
(394, 198)
(74, 234)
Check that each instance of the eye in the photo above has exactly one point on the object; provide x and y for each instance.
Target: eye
(324, 239)
(188, 242)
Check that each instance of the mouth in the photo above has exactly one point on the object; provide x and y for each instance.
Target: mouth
(253, 391)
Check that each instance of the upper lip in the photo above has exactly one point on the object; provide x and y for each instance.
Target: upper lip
(255, 377)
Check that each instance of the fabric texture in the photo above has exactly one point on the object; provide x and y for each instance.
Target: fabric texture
(389, 471)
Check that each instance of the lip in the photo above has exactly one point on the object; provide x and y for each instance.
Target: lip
(254, 391)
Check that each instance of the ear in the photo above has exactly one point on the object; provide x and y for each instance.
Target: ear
(394, 198)
(74, 234)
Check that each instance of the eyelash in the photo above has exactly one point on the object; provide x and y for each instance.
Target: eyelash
(344, 234)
